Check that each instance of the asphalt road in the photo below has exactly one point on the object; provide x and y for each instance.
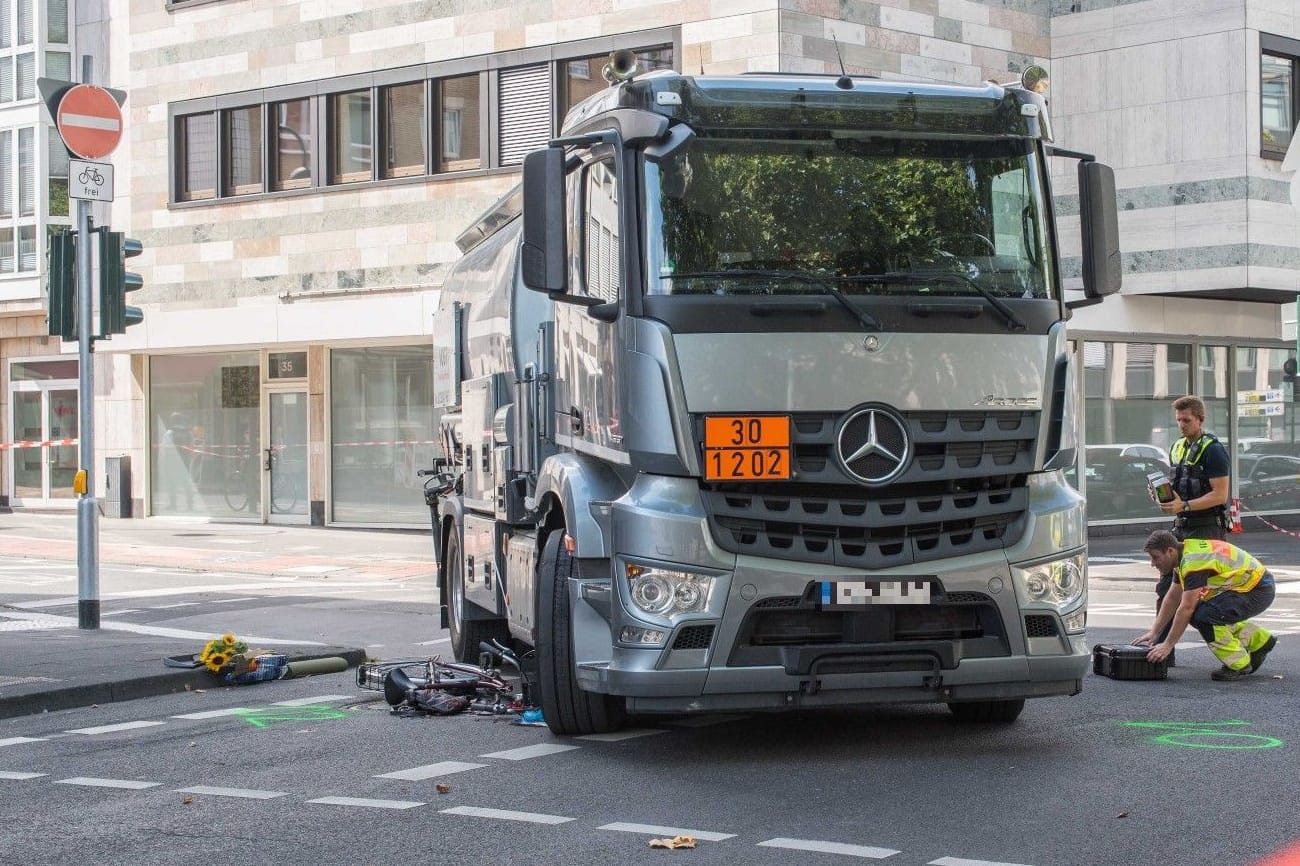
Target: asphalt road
(1123, 773)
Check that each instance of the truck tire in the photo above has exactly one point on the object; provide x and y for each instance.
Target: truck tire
(566, 708)
(986, 712)
(466, 634)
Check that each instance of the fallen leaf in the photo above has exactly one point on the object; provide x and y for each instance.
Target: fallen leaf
(1277, 676)
(675, 842)
(1123, 814)
(188, 687)
(443, 788)
(188, 799)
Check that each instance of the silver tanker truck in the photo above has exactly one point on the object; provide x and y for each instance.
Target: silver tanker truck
(756, 395)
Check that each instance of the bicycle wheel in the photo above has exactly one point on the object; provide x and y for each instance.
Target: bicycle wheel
(284, 495)
(236, 491)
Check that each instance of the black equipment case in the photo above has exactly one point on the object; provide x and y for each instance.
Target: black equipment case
(1126, 662)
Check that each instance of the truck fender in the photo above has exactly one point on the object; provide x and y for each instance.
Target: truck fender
(450, 515)
(582, 485)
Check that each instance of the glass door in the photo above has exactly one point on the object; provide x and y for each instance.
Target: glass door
(44, 425)
(286, 457)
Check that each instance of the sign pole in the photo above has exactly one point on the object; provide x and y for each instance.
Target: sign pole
(87, 505)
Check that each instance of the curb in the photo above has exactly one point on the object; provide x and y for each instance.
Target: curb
(147, 686)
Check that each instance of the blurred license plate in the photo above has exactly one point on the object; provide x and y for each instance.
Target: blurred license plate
(747, 447)
(857, 593)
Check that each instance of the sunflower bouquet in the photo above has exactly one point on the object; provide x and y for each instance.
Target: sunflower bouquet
(222, 654)
(229, 658)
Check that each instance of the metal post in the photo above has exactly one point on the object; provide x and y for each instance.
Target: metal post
(87, 505)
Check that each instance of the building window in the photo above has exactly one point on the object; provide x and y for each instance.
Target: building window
(198, 157)
(585, 76)
(292, 153)
(1277, 94)
(18, 200)
(403, 129)
(351, 139)
(56, 21)
(17, 57)
(57, 174)
(243, 150)
(381, 415)
(458, 114)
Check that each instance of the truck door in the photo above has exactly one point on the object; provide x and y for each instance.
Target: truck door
(586, 360)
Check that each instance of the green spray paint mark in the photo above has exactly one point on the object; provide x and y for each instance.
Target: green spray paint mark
(1207, 735)
(263, 716)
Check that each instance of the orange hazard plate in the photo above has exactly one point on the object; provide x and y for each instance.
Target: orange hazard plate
(747, 447)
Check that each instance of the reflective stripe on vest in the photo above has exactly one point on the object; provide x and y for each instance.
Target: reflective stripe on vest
(1231, 568)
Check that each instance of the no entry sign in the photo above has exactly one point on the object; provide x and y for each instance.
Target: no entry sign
(90, 121)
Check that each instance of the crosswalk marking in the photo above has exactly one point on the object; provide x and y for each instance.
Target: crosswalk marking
(366, 802)
(246, 793)
(616, 736)
(526, 752)
(302, 702)
(92, 782)
(212, 714)
(506, 815)
(109, 729)
(654, 830)
(830, 848)
(430, 771)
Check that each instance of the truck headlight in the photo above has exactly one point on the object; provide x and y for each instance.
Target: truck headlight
(1059, 583)
(665, 593)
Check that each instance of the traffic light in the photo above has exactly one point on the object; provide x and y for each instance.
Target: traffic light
(115, 281)
(60, 277)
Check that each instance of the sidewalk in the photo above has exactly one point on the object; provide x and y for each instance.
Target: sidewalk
(47, 663)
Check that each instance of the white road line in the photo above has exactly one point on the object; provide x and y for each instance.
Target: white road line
(120, 612)
(958, 861)
(314, 569)
(302, 702)
(432, 642)
(430, 771)
(177, 604)
(366, 803)
(13, 774)
(524, 753)
(14, 741)
(47, 620)
(506, 815)
(654, 830)
(109, 729)
(92, 782)
(212, 714)
(233, 600)
(616, 736)
(830, 848)
(246, 793)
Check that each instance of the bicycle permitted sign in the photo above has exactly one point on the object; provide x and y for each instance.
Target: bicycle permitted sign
(91, 181)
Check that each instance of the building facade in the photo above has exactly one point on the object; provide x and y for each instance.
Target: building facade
(298, 174)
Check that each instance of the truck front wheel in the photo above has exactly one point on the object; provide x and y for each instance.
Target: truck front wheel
(984, 712)
(466, 634)
(566, 708)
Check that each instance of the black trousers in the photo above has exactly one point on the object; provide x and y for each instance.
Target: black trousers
(1185, 529)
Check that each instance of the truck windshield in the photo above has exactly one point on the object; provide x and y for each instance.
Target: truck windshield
(868, 215)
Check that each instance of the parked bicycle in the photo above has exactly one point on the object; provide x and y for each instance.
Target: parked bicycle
(242, 485)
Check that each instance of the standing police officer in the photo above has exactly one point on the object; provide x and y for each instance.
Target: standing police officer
(1200, 481)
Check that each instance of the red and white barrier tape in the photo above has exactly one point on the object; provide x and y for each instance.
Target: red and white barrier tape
(1270, 524)
(36, 444)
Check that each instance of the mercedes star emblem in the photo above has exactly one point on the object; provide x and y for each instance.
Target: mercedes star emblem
(874, 445)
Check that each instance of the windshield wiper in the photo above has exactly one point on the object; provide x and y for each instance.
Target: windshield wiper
(914, 277)
(868, 321)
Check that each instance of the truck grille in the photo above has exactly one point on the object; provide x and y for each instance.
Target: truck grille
(964, 492)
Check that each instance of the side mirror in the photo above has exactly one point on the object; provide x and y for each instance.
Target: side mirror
(1103, 272)
(543, 252)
